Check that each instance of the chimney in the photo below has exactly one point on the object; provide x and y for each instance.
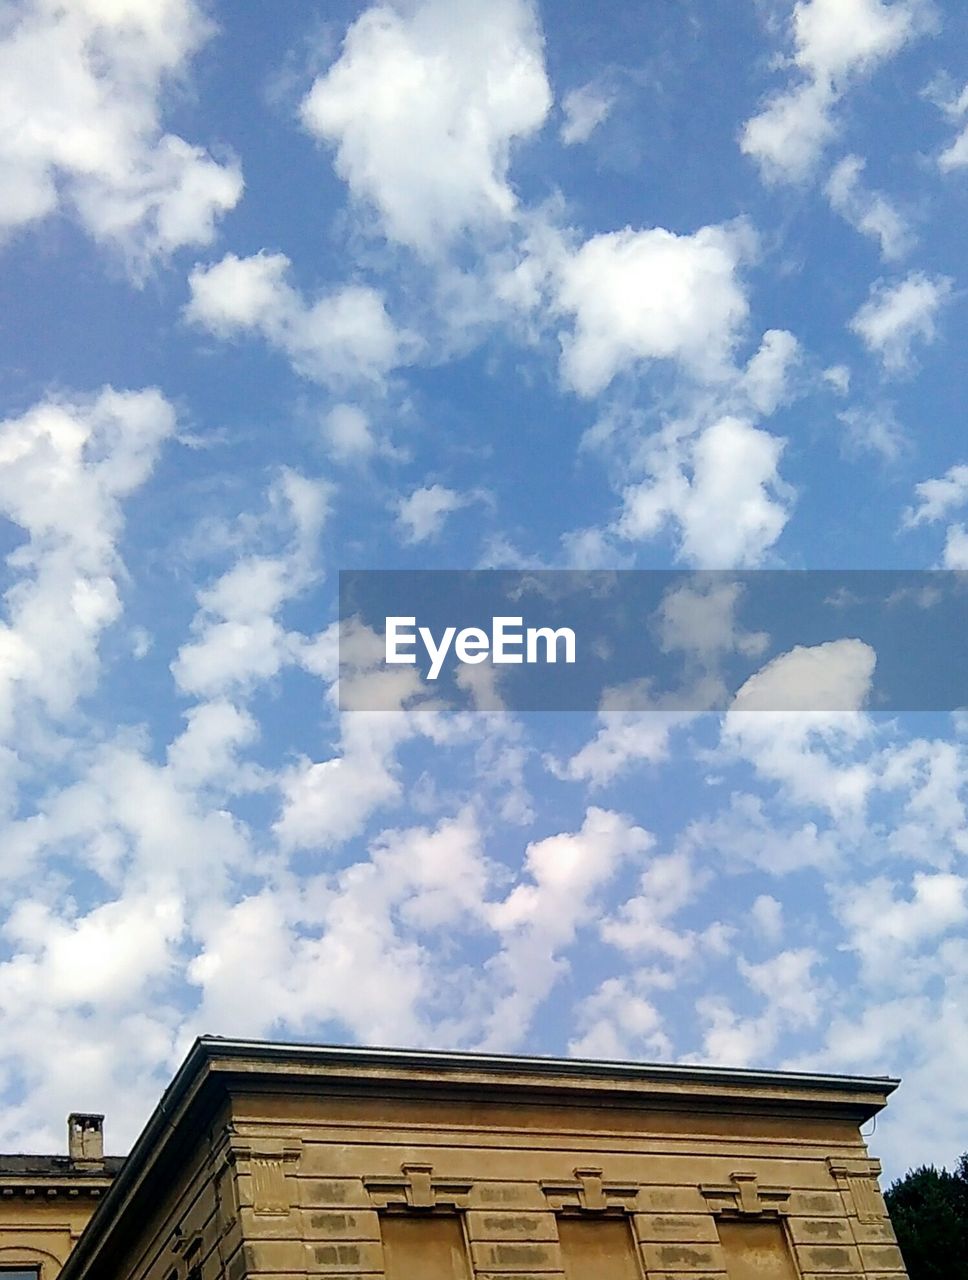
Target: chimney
(85, 1139)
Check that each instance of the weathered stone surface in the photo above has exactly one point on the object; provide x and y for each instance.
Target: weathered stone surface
(324, 1162)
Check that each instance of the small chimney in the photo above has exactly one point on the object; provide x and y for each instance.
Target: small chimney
(85, 1138)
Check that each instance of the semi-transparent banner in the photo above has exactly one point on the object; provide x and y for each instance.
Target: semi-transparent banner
(635, 640)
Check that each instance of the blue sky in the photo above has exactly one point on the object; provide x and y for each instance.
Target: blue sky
(290, 289)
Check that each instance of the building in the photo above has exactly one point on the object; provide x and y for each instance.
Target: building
(286, 1161)
(47, 1201)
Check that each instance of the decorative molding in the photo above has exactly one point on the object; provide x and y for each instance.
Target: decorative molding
(266, 1161)
(743, 1197)
(49, 1190)
(418, 1189)
(590, 1194)
(857, 1182)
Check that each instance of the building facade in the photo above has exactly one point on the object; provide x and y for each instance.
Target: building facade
(47, 1201)
(294, 1161)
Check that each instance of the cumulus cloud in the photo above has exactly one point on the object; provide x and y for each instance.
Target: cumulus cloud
(834, 42)
(563, 875)
(422, 108)
(869, 212)
(626, 740)
(105, 957)
(342, 338)
(721, 490)
(938, 499)
(327, 950)
(955, 107)
(238, 640)
(643, 923)
(81, 125)
(652, 295)
(797, 721)
(327, 802)
(873, 430)
(765, 381)
(618, 1022)
(896, 316)
(887, 931)
(584, 110)
(835, 676)
(766, 914)
(348, 433)
(793, 998)
(421, 516)
(66, 467)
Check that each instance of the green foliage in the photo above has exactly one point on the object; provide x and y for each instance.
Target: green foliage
(929, 1209)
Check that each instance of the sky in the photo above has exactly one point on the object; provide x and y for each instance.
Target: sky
(424, 284)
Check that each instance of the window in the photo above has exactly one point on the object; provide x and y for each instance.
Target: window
(425, 1248)
(598, 1248)
(28, 1271)
(756, 1249)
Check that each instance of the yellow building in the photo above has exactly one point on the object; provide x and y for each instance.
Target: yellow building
(47, 1201)
(288, 1161)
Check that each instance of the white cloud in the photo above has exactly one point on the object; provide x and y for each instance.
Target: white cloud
(798, 721)
(565, 870)
(834, 41)
(869, 212)
(939, 498)
(642, 923)
(65, 469)
(342, 338)
(81, 125)
(732, 507)
(422, 108)
(540, 916)
(421, 516)
(698, 618)
(955, 554)
(835, 676)
(743, 835)
(874, 430)
(319, 958)
(618, 1022)
(793, 999)
(627, 739)
(327, 802)
(886, 931)
(895, 316)
(766, 914)
(348, 432)
(106, 957)
(933, 825)
(837, 377)
(955, 107)
(134, 823)
(766, 378)
(652, 295)
(787, 138)
(836, 38)
(238, 640)
(110, 1060)
(351, 946)
(955, 156)
(207, 750)
(584, 110)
